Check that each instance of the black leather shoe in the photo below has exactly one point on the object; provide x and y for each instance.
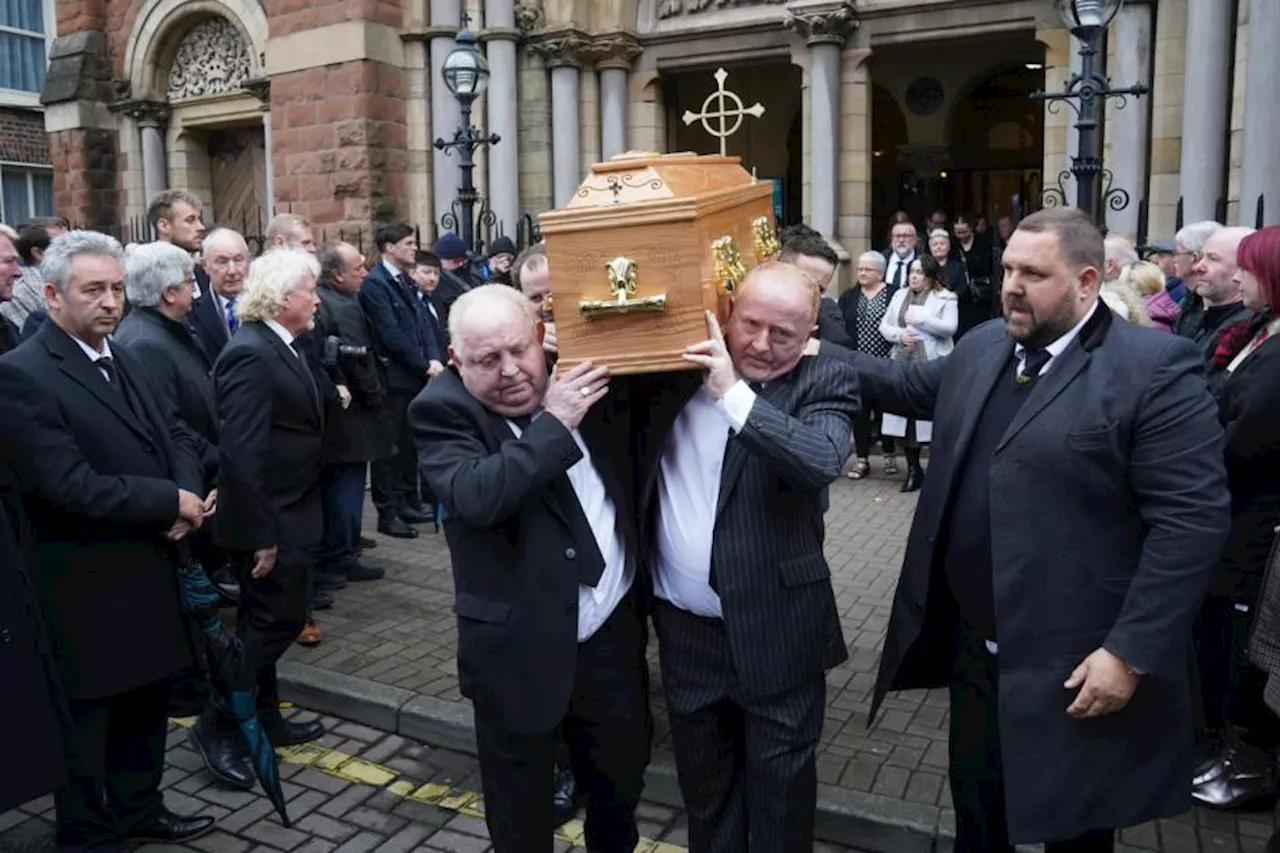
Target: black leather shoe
(224, 756)
(411, 516)
(321, 600)
(421, 508)
(566, 799)
(1245, 775)
(367, 542)
(358, 572)
(397, 529)
(915, 479)
(173, 827)
(281, 732)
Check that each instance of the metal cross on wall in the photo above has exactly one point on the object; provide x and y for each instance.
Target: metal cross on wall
(722, 98)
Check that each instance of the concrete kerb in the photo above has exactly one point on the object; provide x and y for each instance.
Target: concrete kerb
(867, 821)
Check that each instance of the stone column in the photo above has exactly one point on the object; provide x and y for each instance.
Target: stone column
(261, 89)
(446, 15)
(152, 117)
(564, 51)
(500, 38)
(616, 52)
(1205, 107)
(1262, 130)
(1130, 122)
(824, 27)
(534, 111)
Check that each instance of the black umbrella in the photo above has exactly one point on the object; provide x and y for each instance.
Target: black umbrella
(224, 661)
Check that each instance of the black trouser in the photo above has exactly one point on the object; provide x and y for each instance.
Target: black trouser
(1231, 688)
(607, 730)
(114, 785)
(746, 764)
(977, 782)
(863, 422)
(394, 480)
(273, 609)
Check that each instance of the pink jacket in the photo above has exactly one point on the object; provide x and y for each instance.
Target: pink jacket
(1163, 310)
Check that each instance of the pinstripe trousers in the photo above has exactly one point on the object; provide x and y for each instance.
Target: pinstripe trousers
(746, 764)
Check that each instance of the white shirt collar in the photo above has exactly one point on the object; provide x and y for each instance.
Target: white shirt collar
(391, 268)
(281, 332)
(93, 354)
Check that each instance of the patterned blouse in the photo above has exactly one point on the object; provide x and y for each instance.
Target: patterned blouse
(870, 313)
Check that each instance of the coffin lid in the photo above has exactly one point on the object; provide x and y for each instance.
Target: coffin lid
(641, 177)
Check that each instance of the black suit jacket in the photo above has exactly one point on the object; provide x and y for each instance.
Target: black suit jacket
(10, 335)
(1108, 510)
(774, 582)
(398, 326)
(100, 488)
(177, 362)
(831, 325)
(209, 322)
(271, 423)
(517, 536)
(1249, 409)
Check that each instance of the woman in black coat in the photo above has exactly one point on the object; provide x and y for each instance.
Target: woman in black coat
(975, 297)
(1248, 354)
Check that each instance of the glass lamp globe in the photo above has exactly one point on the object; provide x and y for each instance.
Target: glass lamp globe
(1087, 14)
(465, 70)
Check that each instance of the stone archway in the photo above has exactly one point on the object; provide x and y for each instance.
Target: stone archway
(150, 52)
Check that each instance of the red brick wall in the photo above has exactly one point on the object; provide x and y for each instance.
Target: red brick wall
(340, 143)
(22, 137)
(85, 181)
(76, 16)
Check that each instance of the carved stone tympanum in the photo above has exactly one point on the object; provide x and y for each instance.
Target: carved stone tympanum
(211, 59)
(676, 8)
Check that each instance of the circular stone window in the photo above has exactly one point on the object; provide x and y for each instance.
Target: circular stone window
(925, 96)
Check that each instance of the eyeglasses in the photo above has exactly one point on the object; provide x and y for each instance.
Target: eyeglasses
(222, 263)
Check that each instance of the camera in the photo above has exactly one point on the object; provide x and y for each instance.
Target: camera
(335, 349)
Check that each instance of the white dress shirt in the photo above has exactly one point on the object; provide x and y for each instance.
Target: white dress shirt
(688, 492)
(94, 355)
(891, 269)
(282, 333)
(1056, 348)
(597, 603)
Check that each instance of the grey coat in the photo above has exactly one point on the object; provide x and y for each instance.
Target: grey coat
(1109, 509)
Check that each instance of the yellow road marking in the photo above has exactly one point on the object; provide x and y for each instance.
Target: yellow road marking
(349, 768)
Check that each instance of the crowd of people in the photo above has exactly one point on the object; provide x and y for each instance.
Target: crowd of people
(1101, 488)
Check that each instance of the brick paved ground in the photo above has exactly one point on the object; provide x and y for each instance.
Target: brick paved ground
(331, 813)
(401, 632)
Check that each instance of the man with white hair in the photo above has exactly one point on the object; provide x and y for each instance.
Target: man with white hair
(9, 271)
(1119, 254)
(226, 261)
(543, 541)
(1188, 244)
(290, 231)
(1213, 272)
(271, 421)
(108, 482)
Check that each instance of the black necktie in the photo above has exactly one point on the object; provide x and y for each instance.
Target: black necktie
(897, 273)
(522, 421)
(1033, 361)
(108, 366)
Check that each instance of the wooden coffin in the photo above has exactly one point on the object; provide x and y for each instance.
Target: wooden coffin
(648, 243)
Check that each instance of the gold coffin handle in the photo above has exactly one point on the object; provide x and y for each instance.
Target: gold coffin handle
(622, 274)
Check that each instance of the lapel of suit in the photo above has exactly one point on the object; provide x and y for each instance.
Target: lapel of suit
(74, 363)
(778, 394)
(991, 366)
(294, 360)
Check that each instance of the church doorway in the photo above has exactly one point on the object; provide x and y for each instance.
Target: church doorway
(771, 144)
(238, 177)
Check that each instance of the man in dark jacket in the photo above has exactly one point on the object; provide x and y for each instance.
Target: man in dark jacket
(455, 277)
(389, 297)
(809, 250)
(109, 482)
(9, 270)
(353, 436)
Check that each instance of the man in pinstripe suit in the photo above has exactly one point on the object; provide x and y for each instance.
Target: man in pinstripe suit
(745, 614)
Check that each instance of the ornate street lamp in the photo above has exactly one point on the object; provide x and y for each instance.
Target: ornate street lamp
(466, 73)
(1086, 93)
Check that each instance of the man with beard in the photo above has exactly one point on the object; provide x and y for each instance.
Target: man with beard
(1066, 535)
(1214, 271)
(9, 271)
(902, 253)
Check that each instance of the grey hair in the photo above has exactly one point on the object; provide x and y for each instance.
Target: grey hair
(215, 235)
(940, 232)
(1120, 249)
(56, 266)
(6, 231)
(1195, 235)
(873, 257)
(152, 268)
(483, 299)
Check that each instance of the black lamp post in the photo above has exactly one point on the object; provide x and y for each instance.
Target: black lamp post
(466, 73)
(1086, 93)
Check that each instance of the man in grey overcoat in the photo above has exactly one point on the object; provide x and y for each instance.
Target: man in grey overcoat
(1073, 511)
